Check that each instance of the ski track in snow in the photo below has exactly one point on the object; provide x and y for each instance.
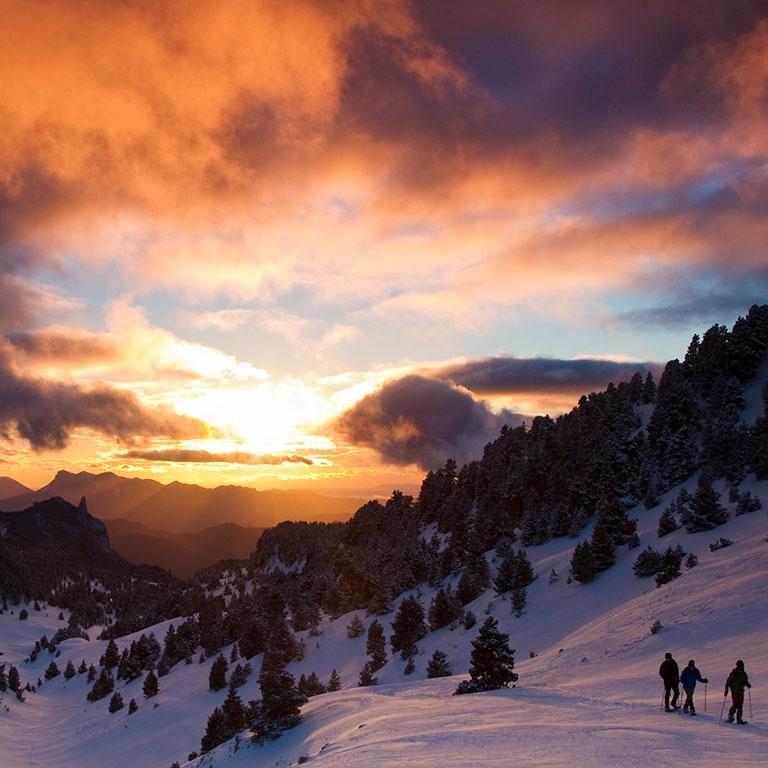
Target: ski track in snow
(590, 698)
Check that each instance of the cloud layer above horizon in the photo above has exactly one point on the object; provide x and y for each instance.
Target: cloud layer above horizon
(318, 201)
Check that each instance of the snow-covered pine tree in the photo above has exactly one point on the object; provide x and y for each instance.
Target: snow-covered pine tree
(132, 706)
(438, 665)
(69, 670)
(493, 661)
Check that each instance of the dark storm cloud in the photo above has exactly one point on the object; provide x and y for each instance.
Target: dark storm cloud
(46, 412)
(63, 345)
(416, 420)
(190, 456)
(510, 375)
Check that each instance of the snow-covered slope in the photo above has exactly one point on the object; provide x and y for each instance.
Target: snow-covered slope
(589, 697)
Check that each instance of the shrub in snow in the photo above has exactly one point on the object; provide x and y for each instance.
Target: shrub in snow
(656, 627)
(691, 561)
(23, 614)
(493, 661)
(719, 544)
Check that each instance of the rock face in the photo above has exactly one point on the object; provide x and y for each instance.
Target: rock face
(57, 525)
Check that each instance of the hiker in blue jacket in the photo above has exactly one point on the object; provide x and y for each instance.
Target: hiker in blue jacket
(688, 678)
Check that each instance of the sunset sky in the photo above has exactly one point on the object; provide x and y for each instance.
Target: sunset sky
(331, 243)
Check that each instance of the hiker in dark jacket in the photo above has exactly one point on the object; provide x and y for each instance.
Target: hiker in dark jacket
(737, 681)
(669, 672)
(688, 678)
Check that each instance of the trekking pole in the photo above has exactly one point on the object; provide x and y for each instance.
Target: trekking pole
(705, 698)
(749, 693)
(661, 706)
(722, 709)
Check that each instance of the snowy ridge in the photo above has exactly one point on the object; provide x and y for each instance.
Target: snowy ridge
(590, 697)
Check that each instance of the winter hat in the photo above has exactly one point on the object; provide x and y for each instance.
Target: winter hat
(667, 655)
(691, 663)
(740, 664)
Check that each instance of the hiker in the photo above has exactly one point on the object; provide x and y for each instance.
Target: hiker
(669, 672)
(737, 681)
(688, 678)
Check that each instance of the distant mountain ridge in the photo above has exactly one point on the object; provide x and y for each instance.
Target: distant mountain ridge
(181, 553)
(183, 508)
(10, 488)
(57, 530)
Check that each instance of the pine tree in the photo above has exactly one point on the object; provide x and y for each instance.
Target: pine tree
(582, 563)
(151, 685)
(281, 701)
(234, 655)
(355, 628)
(705, 510)
(132, 706)
(217, 678)
(671, 561)
(3, 679)
(234, 713)
(493, 661)
(667, 522)
(69, 671)
(91, 674)
(648, 563)
(519, 599)
(334, 681)
(111, 656)
(375, 646)
(444, 609)
(215, 731)
(115, 703)
(104, 685)
(83, 668)
(438, 665)
(603, 548)
(367, 677)
(409, 627)
(52, 671)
